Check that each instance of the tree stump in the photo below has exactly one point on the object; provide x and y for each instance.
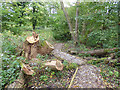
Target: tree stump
(32, 47)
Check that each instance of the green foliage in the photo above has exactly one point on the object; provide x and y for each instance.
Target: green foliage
(97, 24)
(42, 57)
(10, 69)
(62, 36)
(73, 66)
(104, 39)
(69, 66)
(94, 62)
(60, 27)
(108, 72)
(43, 78)
(116, 73)
(10, 62)
(17, 16)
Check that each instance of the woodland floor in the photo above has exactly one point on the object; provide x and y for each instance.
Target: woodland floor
(88, 76)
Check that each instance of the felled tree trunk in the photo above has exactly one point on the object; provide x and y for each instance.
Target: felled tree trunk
(32, 47)
(54, 65)
(45, 49)
(94, 52)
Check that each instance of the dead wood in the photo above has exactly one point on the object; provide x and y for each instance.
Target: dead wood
(45, 49)
(54, 65)
(98, 52)
(27, 69)
(32, 47)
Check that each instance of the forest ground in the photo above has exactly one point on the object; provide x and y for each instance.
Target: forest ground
(87, 76)
(92, 74)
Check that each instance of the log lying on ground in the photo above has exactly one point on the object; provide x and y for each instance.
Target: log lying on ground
(98, 52)
(65, 56)
(19, 83)
(45, 49)
(27, 69)
(54, 65)
(32, 47)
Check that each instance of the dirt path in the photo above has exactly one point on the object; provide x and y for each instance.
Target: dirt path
(88, 76)
(65, 56)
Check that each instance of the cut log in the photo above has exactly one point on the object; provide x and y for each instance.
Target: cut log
(98, 52)
(65, 56)
(46, 48)
(31, 39)
(54, 65)
(27, 69)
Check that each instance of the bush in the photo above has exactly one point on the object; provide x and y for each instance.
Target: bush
(20, 30)
(102, 39)
(62, 35)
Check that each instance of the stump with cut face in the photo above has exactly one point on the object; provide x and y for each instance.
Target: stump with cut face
(32, 47)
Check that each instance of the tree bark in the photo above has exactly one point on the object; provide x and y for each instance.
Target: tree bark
(68, 20)
(98, 52)
(32, 47)
(34, 20)
(119, 24)
(76, 25)
(119, 33)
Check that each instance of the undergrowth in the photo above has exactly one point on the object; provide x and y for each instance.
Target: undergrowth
(10, 61)
(11, 47)
(109, 71)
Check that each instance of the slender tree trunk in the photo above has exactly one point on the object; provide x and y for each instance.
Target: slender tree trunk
(83, 28)
(34, 21)
(68, 20)
(76, 25)
(119, 32)
(119, 24)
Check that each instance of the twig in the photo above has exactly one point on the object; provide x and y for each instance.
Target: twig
(73, 77)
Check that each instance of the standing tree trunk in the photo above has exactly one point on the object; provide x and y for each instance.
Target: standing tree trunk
(119, 33)
(119, 24)
(76, 25)
(34, 20)
(68, 20)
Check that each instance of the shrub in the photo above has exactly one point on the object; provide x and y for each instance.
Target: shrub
(102, 39)
(62, 35)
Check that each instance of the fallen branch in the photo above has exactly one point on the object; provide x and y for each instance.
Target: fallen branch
(98, 52)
